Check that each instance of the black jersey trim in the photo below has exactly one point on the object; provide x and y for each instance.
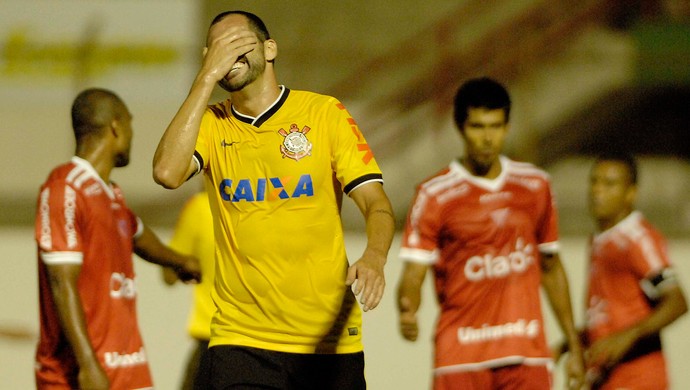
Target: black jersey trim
(258, 121)
(200, 164)
(361, 180)
(642, 347)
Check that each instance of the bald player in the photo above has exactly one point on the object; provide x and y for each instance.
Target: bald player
(86, 235)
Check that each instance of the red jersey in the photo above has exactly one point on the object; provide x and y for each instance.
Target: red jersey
(82, 220)
(629, 264)
(483, 238)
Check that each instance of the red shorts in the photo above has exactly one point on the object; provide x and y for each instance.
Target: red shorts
(514, 377)
(647, 372)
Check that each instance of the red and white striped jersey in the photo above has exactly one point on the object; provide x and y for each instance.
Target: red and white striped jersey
(483, 239)
(82, 220)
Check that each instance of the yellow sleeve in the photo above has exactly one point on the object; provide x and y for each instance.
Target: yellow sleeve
(209, 124)
(353, 159)
(186, 230)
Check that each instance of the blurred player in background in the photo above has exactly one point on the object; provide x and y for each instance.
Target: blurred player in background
(86, 235)
(193, 235)
(276, 161)
(487, 227)
(633, 290)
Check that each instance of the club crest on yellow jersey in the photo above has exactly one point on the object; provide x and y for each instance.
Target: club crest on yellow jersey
(295, 145)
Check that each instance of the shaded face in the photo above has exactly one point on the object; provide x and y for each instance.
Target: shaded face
(611, 192)
(249, 66)
(484, 132)
(124, 140)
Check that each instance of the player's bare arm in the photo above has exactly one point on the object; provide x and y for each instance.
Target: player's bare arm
(63, 285)
(150, 248)
(172, 161)
(410, 298)
(555, 285)
(380, 227)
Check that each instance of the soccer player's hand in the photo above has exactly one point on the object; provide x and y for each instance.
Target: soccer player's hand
(575, 370)
(189, 271)
(225, 48)
(607, 352)
(367, 279)
(408, 320)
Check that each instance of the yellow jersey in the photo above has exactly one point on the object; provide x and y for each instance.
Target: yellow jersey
(193, 235)
(275, 183)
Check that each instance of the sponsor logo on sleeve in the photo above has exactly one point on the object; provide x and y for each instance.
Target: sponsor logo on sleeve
(46, 239)
(70, 214)
(362, 145)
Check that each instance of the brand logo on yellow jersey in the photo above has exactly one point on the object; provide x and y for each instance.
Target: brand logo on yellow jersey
(265, 189)
(295, 145)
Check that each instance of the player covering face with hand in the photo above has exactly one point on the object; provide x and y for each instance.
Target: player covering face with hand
(276, 162)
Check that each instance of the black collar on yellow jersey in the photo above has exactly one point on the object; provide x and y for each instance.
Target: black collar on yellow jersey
(263, 117)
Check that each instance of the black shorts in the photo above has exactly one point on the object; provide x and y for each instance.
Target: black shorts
(198, 372)
(243, 368)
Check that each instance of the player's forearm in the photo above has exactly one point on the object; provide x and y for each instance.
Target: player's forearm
(72, 320)
(176, 147)
(409, 299)
(670, 308)
(410, 287)
(409, 296)
(555, 284)
(150, 248)
(163, 256)
(380, 227)
(378, 216)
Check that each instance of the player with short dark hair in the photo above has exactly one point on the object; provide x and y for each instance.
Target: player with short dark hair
(276, 163)
(86, 235)
(633, 290)
(480, 92)
(487, 227)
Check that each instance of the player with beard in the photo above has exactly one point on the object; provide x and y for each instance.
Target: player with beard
(276, 162)
(86, 235)
(487, 227)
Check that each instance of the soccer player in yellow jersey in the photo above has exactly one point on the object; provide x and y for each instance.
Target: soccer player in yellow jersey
(276, 162)
(193, 235)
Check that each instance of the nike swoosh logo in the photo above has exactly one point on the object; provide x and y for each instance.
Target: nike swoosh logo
(224, 144)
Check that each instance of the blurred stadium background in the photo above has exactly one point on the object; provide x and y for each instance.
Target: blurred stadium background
(585, 76)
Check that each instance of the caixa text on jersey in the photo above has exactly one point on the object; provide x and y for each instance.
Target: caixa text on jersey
(265, 189)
